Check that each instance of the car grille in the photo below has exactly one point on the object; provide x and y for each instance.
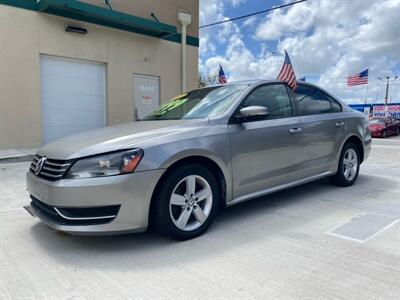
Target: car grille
(52, 169)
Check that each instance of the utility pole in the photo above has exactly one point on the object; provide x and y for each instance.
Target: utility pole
(387, 86)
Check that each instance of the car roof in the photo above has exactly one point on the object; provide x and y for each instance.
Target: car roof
(262, 81)
(256, 82)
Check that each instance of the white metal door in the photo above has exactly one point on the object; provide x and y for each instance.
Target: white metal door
(73, 96)
(147, 94)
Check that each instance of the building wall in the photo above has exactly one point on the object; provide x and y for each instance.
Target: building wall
(25, 35)
(165, 10)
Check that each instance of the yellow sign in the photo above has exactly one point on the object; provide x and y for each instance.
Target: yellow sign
(173, 103)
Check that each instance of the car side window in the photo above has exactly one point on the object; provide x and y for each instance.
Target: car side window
(274, 97)
(311, 101)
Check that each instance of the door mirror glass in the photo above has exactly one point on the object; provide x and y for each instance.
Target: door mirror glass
(253, 113)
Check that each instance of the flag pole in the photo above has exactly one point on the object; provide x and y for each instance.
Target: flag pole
(366, 94)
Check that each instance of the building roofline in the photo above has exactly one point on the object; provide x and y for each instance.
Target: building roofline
(89, 13)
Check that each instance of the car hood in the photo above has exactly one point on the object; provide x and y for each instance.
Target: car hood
(111, 138)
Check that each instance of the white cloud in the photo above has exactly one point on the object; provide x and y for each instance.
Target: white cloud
(210, 12)
(242, 64)
(236, 3)
(373, 44)
(278, 22)
(238, 60)
(307, 15)
(249, 22)
(226, 30)
(324, 38)
(206, 46)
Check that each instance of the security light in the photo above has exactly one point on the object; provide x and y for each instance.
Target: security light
(75, 29)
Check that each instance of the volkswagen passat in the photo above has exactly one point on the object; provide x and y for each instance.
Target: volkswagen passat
(204, 150)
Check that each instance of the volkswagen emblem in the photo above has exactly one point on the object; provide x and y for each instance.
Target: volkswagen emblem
(39, 165)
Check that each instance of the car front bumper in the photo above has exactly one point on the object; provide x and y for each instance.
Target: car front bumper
(128, 195)
(376, 133)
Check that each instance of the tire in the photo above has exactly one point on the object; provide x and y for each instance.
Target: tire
(349, 166)
(168, 212)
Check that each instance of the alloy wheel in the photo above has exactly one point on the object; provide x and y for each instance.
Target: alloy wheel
(191, 202)
(350, 164)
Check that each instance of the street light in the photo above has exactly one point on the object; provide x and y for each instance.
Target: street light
(387, 86)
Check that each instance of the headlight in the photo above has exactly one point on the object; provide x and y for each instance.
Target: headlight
(114, 163)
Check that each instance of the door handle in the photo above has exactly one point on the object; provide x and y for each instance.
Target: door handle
(339, 124)
(295, 130)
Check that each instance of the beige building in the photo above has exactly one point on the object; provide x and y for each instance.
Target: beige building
(67, 66)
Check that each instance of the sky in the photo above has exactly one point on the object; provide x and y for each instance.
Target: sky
(327, 40)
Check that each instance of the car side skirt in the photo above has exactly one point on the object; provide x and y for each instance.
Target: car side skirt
(278, 188)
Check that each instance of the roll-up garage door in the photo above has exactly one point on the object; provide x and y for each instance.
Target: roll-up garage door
(72, 96)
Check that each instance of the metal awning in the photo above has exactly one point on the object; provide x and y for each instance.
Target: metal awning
(81, 11)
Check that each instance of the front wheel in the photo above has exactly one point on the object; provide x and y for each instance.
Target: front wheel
(187, 202)
(349, 166)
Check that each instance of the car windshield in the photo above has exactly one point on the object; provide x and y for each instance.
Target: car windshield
(377, 121)
(197, 104)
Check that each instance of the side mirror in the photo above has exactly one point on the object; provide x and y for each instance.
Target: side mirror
(253, 113)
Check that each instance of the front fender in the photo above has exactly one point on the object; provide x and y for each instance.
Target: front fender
(224, 166)
(214, 147)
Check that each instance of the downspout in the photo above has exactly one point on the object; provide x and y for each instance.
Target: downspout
(184, 19)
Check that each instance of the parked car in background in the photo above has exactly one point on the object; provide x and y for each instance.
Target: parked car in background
(383, 127)
(204, 150)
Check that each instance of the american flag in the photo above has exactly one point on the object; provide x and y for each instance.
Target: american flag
(287, 73)
(221, 75)
(357, 79)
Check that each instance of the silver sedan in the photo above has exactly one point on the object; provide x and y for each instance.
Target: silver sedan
(201, 151)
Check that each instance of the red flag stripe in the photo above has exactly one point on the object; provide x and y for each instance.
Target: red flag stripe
(281, 71)
(285, 72)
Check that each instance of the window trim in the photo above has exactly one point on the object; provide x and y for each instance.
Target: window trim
(292, 97)
(233, 120)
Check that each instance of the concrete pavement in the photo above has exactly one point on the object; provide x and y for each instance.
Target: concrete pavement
(6, 154)
(281, 246)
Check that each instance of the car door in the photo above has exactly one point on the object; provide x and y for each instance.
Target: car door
(323, 129)
(392, 125)
(266, 152)
(388, 126)
(396, 126)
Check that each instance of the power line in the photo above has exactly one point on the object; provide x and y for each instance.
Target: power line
(253, 14)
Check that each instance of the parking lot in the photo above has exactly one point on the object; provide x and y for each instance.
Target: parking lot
(314, 241)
